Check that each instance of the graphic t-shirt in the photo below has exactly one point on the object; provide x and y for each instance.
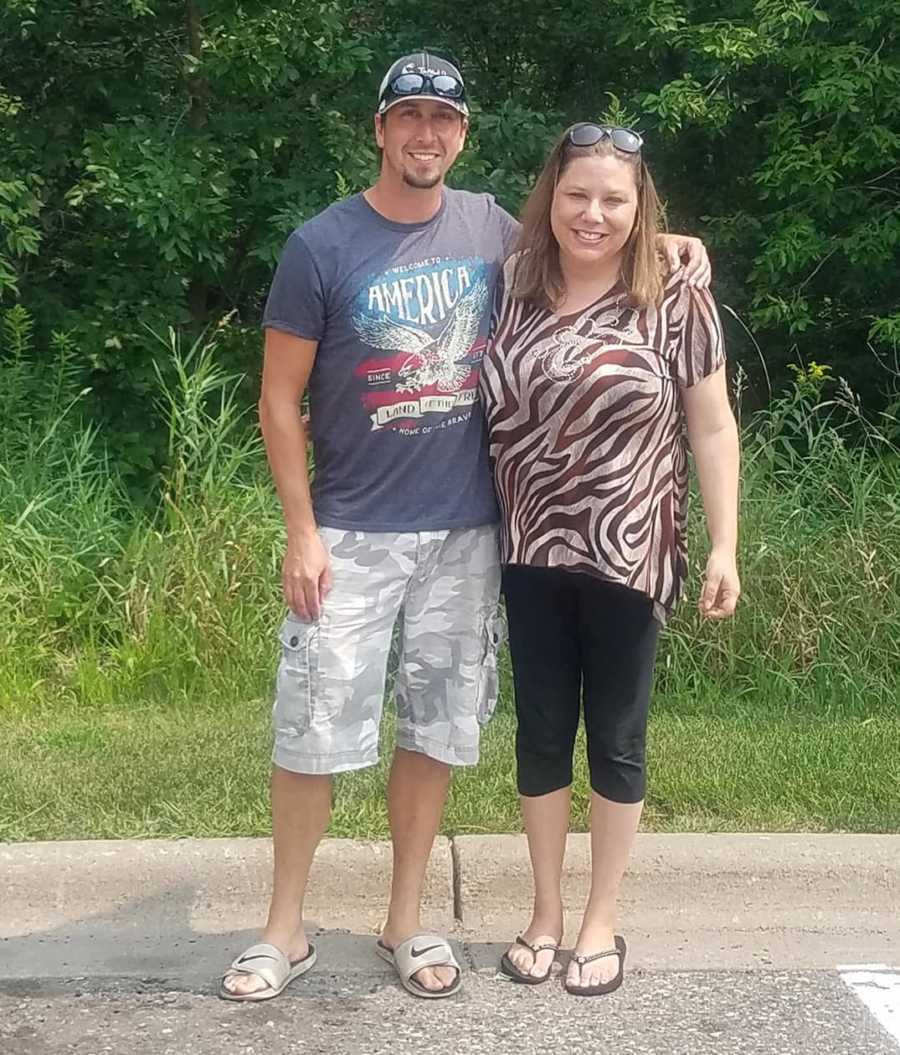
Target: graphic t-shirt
(586, 432)
(401, 312)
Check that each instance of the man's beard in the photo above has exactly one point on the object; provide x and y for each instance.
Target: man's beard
(419, 182)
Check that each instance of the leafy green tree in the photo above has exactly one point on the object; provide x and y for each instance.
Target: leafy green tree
(774, 126)
(154, 154)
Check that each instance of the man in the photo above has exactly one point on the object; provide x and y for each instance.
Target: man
(381, 304)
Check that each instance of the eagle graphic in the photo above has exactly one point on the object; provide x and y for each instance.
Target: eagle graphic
(439, 361)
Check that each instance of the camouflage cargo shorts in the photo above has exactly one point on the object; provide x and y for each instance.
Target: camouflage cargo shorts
(443, 587)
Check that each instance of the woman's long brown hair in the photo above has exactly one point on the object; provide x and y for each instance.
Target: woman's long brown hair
(538, 277)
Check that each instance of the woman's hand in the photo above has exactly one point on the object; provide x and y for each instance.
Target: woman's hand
(721, 586)
(682, 251)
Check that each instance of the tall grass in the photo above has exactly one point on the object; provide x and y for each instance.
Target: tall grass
(820, 562)
(136, 637)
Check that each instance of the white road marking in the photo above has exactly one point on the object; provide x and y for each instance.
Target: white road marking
(878, 987)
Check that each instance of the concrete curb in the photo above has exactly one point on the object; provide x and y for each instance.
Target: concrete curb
(214, 884)
(707, 900)
(723, 900)
(495, 873)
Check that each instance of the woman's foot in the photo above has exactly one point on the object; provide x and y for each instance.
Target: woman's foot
(542, 930)
(593, 938)
(294, 946)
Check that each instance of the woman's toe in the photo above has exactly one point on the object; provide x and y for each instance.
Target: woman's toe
(542, 963)
(599, 972)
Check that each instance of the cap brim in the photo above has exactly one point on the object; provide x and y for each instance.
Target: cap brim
(457, 104)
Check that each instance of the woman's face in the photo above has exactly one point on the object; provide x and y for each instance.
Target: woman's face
(593, 210)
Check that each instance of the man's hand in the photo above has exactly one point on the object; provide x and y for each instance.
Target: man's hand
(681, 251)
(306, 576)
(721, 587)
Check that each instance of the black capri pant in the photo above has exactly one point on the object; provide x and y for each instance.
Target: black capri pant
(575, 639)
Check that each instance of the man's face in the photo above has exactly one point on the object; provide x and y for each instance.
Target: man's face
(421, 139)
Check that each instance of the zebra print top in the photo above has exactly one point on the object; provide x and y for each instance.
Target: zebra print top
(587, 434)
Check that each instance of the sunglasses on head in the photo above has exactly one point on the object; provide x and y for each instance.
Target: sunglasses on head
(442, 85)
(587, 135)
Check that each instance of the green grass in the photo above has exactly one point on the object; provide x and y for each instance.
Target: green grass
(137, 645)
(199, 767)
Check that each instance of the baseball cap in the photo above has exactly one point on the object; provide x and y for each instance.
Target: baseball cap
(422, 75)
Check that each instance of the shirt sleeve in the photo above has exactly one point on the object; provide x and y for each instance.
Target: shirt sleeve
(509, 228)
(489, 375)
(296, 301)
(701, 350)
(501, 305)
(497, 306)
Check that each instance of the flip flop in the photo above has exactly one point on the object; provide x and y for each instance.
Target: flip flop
(271, 965)
(517, 974)
(602, 988)
(421, 950)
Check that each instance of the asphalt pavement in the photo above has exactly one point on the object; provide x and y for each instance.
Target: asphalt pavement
(738, 944)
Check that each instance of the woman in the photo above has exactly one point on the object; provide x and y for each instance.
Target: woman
(596, 364)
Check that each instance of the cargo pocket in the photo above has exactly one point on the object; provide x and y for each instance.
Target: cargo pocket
(492, 632)
(297, 675)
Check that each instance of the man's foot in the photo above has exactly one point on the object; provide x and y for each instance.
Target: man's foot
(432, 978)
(591, 940)
(295, 948)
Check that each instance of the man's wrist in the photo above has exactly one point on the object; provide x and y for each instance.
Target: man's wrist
(302, 533)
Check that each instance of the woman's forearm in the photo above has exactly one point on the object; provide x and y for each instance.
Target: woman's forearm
(717, 458)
